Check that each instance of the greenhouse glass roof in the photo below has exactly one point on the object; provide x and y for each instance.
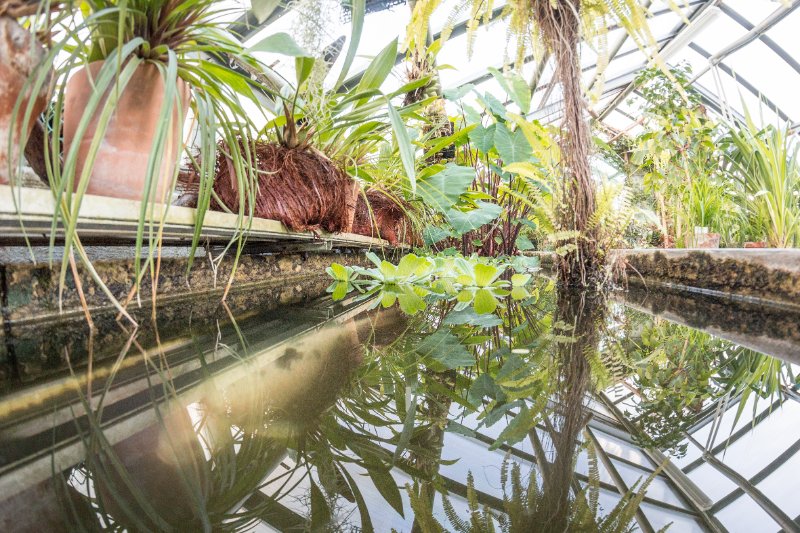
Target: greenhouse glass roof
(742, 53)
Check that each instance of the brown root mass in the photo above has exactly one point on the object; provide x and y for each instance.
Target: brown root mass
(383, 217)
(560, 23)
(299, 187)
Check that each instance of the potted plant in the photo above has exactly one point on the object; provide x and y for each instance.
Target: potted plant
(169, 58)
(307, 157)
(381, 214)
(130, 88)
(20, 56)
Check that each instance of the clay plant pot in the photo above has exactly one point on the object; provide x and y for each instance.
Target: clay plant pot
(120, 166)
(708, 240)
(381, 217)
(300, 187)
(20, 53)
(755, 244)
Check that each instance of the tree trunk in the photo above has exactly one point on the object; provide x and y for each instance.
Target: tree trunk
(581, 266)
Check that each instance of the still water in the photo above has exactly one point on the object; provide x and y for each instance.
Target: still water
(559, 412)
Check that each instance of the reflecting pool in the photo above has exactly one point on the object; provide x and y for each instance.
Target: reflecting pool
(555, 411)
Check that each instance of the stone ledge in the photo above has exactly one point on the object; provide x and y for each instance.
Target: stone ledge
(30, 292)
(758, 275)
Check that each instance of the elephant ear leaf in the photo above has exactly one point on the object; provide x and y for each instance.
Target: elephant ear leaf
(512, 146)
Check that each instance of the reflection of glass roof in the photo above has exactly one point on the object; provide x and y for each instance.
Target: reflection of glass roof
(742, 52)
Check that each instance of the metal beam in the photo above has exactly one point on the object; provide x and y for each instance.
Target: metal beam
(683, 26)
(743, 82)
(755, 33)
(248, 25)
(764, 38)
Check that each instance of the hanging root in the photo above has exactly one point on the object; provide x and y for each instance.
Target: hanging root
(560, 24)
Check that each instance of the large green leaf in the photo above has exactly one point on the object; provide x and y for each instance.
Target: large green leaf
(303, 67)
(493, 105)
(434, 234)
(484, 302)
(320, 512)
(469, 316)
(482, 138)
(512, 146)
(379, 68)
(279, 43)
(263, 8)
(486, 274)
(386, 485)
(520, 92)
(517, 429)
(454, 95)
(464, 221)
(358, 8)
(445, 348)
(515, 86)
(441, 191)
(404, 145)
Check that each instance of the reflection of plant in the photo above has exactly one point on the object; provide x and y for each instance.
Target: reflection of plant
(680, 370)
(523, 505)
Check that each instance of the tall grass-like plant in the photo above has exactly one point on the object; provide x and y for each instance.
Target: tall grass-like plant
(764, 164)
(186, 42)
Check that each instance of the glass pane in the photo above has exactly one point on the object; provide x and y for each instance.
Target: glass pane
(770, 439)
(783, 486)
(659, 488)
(660, 518)
(745, 516)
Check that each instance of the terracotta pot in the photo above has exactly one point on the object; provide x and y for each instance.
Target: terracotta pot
(120, 166)
(756, 244)
(708, 240)
(20, 53)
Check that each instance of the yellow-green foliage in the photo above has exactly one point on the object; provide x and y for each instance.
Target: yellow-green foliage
(597, 17)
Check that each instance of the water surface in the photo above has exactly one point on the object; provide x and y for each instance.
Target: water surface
(559, 412)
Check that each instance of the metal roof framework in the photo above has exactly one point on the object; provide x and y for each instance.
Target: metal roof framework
(720, 53)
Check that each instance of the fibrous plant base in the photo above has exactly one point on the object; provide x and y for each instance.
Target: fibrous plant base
(379, 215)
(300, 187)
